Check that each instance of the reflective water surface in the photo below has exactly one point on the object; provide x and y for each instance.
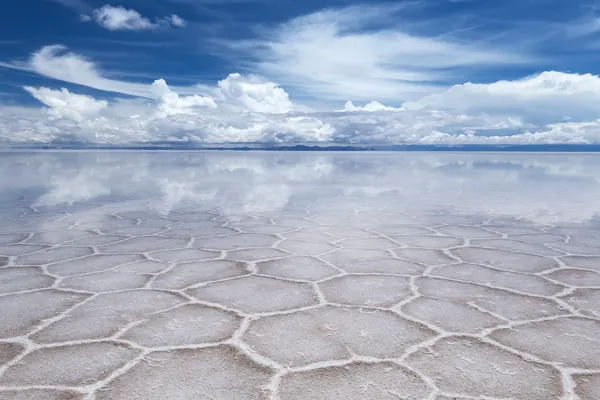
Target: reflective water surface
(273, 275)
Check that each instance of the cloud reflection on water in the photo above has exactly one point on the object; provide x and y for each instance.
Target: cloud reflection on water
(544, 188)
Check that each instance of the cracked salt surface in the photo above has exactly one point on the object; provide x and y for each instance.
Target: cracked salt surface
(299, 276)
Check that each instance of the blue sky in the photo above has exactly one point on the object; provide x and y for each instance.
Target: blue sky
(405, 66)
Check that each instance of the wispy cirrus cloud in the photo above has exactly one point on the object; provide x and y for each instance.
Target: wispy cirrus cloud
(57, 62)
(363, 53)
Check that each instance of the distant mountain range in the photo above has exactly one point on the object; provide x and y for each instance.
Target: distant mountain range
(320, 147)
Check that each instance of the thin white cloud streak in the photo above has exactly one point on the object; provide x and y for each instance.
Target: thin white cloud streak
(585, 26)
(122, 19)
(365, 56)
(56, 62)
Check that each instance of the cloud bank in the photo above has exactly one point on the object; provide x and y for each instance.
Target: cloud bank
(248, 109)
(548, 96)
(547, 108)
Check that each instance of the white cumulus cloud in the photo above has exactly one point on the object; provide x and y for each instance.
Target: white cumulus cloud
(170, 103)
(64, 104)
(255, 94)
(122, 19)
(547, 97)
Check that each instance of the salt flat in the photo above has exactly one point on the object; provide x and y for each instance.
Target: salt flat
(228, 275)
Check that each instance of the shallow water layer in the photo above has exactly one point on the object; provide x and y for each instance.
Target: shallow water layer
(251, 275)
